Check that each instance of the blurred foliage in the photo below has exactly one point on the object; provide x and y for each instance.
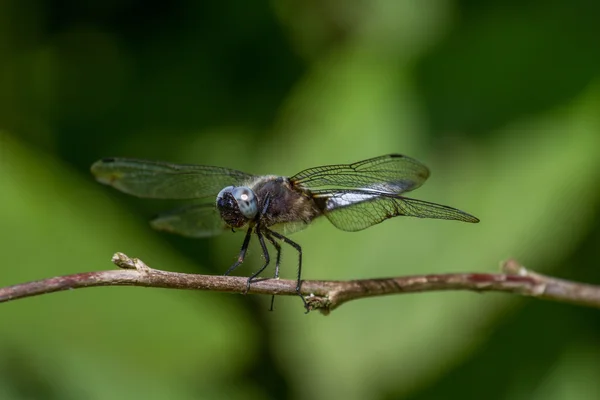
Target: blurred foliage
(501, 99)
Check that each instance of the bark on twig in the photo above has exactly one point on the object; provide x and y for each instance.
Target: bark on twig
(320, 295)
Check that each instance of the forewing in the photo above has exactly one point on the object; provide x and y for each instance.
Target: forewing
(356, 210)
(160, 180)
(392, 173)
(198, 220)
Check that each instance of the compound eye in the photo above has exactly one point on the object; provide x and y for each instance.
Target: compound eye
(246, 201)
(228, 189)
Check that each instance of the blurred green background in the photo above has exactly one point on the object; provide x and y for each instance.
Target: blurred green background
(501, 99)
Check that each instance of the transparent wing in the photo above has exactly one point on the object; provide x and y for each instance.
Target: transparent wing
(287, 228)
(392, 173)
(160, 180)
(198, 220)
(356, 210)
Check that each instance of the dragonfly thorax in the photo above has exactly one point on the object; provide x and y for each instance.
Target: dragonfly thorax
(237, 205)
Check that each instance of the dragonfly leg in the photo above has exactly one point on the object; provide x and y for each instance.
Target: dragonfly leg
(278, 249)
(261, 240)
(242, 254)
(299, 249)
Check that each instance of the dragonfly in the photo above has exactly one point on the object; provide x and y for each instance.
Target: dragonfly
(352, 197)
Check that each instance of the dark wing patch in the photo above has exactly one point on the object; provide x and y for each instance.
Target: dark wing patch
(198, 220)
(356, 210)
(393, 173)
(160, 180)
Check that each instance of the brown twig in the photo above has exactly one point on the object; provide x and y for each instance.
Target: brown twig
(320, 295)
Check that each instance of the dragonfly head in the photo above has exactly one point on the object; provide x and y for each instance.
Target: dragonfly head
(237, 205)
